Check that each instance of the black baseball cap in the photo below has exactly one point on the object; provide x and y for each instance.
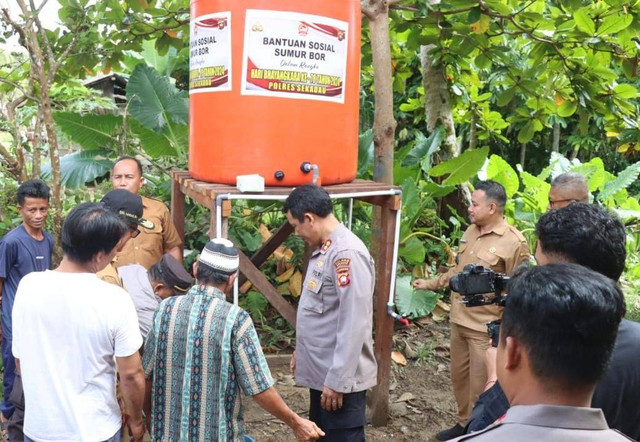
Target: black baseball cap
(128, 205)
(174, 274)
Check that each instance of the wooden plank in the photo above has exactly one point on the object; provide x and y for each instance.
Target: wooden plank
(262, 284)
(384, 322)
(177, 207)
(262, 254)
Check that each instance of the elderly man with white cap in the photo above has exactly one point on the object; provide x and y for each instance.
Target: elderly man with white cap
(201, 352)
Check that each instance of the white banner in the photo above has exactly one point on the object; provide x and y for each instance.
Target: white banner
(293, 55)
(210, 53)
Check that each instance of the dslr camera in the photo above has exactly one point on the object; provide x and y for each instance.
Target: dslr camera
(473, 283)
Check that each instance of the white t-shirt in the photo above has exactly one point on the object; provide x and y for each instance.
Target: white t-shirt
(67, 330)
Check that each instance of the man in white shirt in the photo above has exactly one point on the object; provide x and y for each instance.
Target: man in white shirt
(70, 330)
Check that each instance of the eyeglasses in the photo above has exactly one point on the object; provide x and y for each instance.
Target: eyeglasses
(554, 202)
(134, 232)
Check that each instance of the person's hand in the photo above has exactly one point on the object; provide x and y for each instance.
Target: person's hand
(292, 363)
(420, 284)
(306, 430)
(490, 356)
(330, 400)
(136, 430)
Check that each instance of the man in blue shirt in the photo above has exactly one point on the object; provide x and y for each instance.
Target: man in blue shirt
(23, 250)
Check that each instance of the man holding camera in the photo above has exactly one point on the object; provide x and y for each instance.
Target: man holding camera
(491, 242)
(558, 331)
(597, 242)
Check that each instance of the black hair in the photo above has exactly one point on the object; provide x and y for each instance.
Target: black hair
(493, 191)
(33, 189)
(567, 318)
(156, 274)
(91, 228)
(207, 275)
(127, 157)
(308, 199)
(586, 234)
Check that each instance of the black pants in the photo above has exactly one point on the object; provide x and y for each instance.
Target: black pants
(16, 421)
(343, 425)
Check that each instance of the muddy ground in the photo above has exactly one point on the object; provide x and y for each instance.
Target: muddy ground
(421, 397)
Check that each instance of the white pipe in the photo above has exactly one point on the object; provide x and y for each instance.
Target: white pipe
(394, 263)
(350, 212)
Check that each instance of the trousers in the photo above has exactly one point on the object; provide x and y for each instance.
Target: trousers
(468, 370)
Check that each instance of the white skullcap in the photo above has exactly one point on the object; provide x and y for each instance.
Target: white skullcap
(220, 254)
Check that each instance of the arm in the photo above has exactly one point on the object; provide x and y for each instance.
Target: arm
(438, 283)
(176, 252)
(521, 255)
(171, 241)
(132, 385)
(270, 401)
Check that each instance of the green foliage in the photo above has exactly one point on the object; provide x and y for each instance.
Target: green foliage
(81, 167)
(461, 168)
(154, 101)
(413, 303)
(90, 131)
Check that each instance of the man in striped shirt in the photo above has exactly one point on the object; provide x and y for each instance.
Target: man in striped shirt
(200, 352)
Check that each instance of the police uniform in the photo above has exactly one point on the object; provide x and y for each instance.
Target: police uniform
(502, 249)
(548, 423)
(149, 246)
(334, 329)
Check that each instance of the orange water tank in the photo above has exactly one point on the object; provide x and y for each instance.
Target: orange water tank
(274, 84)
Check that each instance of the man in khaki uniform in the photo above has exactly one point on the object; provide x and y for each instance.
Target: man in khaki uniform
(148, 247)
(491, 242)
(556, 338)
(334, 345)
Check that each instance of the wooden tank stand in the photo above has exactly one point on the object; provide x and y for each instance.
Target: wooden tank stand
(206, 194)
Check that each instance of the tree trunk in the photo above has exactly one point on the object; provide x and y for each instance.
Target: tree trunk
(523, 154)
(437, 104)
(555, 145)
(37, 145)
(54, 157)
(384, 127)
(473, 134)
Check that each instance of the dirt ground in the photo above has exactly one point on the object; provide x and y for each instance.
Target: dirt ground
(421, 398)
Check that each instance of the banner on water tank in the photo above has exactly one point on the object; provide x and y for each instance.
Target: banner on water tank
(210, 53)
(293, 55)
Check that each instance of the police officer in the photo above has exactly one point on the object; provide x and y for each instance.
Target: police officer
(491, 242)
(148, 247)
(334, 350)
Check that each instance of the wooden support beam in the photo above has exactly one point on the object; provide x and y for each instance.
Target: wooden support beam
(262, 284)
(260, 256)
(384, 322)
(177, 207)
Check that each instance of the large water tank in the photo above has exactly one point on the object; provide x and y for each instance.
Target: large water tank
(274, 84)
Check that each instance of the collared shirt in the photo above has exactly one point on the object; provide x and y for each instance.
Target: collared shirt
(110, 274)
(135, 280)
(334, 345)
(549, 423)
(502, 249)
(200, 352)
(149, 246)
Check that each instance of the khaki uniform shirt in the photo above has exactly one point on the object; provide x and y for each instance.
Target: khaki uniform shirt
(335, 317)
(149, 246)
(110, 274)
(548, 423)
(502, 249)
